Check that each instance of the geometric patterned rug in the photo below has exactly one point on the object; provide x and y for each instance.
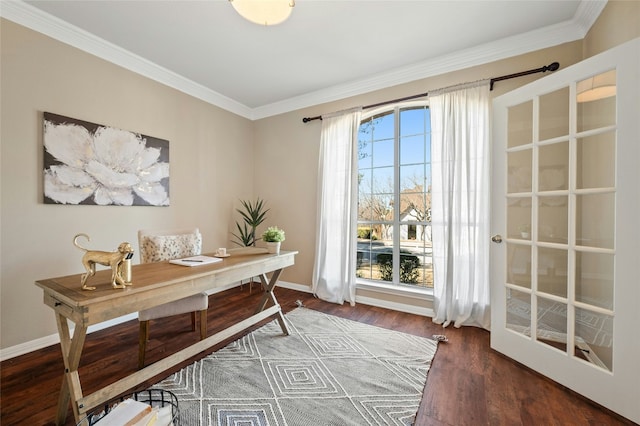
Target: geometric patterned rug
(328, 371)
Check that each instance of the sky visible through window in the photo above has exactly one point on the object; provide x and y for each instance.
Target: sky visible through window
(394, 218)
(377, 150)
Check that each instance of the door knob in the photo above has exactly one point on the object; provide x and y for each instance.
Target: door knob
(497, 238)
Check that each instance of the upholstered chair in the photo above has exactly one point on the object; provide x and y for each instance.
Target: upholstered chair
(158, 246)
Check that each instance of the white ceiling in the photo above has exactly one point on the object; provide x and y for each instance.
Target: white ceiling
(327, 50)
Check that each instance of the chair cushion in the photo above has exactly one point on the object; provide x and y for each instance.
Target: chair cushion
(157, 248)
(197, 302)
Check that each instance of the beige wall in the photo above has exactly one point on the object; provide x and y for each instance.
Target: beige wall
(217, 158)
(618, 22)
(211, 161)
(294, 146)
(285, 140)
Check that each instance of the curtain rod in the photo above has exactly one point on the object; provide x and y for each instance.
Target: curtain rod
(551, 67)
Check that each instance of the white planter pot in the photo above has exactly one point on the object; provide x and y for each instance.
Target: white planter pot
(273, 247)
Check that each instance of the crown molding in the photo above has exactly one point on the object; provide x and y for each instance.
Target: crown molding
(37, 20)
(574, 29)
(587, 13)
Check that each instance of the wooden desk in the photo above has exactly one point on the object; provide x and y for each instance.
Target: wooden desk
(153, 285)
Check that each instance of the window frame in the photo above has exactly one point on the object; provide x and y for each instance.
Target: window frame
(395, 287)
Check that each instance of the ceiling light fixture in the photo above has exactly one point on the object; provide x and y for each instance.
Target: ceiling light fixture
(264, 12)
(597, 87)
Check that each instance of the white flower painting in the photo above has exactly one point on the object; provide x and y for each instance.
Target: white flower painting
(86, 163)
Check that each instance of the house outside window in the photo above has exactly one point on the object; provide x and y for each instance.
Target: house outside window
(394, 198)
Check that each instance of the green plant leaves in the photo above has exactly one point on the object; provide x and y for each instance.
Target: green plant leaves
(253, 214)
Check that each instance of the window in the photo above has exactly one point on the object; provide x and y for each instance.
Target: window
(394, 198)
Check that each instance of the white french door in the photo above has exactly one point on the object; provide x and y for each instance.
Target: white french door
(565, 292)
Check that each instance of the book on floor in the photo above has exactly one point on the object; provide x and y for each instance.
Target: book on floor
(127, 413)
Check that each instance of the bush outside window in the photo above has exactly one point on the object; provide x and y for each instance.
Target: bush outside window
(394, 198)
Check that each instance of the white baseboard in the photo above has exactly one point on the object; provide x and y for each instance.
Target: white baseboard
(380, 303)
(54, 339)
(294, 286)
(394, 306)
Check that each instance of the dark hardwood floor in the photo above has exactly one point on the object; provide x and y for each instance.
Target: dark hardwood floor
(468, 384)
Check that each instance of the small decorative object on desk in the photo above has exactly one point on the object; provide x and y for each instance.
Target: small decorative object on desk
(221, 252)
(112, 259)
(125, 271)
(152, 406)
(273, 236)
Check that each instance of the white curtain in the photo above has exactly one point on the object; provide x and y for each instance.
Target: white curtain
(334, 269)
(460, 205)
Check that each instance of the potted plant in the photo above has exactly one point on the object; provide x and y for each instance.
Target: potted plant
(273, 236)
(524, 230)
(253, 215)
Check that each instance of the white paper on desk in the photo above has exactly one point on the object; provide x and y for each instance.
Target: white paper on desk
(195, 260)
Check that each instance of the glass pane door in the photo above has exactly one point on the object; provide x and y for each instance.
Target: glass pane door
(565, 203)
(560, 221)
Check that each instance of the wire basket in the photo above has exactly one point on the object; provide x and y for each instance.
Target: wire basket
(154, 397)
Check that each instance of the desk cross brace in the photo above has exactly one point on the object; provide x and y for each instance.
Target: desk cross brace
(72, 349)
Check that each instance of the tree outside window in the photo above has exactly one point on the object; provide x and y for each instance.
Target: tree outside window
(394, 198)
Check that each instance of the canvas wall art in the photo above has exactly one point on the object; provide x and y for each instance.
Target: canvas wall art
(88, 163)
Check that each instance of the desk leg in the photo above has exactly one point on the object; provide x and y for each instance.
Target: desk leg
(268, 287)
(71, 350)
